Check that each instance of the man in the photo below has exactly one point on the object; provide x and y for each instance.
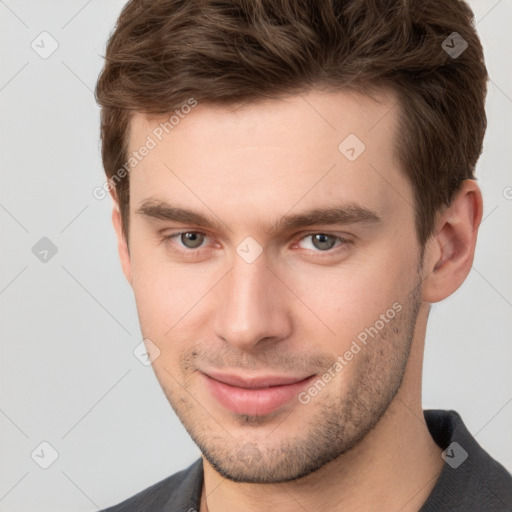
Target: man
(293, 187)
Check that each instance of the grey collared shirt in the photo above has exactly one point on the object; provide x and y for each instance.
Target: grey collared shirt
(470, 481)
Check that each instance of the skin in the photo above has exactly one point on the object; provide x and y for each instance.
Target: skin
(361, 443)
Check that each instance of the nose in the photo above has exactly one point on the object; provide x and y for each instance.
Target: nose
(253, 306)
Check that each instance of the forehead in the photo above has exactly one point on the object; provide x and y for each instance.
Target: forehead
(272, 155)
(316, 115)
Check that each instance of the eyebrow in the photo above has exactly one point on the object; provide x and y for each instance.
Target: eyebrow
(349, 213)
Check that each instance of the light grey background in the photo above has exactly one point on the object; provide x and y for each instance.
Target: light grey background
(68, 326)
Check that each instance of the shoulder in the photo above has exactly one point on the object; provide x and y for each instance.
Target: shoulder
(471, 480)
(180, 491)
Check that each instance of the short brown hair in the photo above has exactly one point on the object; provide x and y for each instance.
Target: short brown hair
(163, 52)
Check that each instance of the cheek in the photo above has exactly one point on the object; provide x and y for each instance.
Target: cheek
(160, 305)
(169, 297)
(351, 297)
(158, 293)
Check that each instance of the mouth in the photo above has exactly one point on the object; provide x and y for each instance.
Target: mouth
(254, 396)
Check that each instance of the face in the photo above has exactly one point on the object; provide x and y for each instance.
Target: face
(275, 268)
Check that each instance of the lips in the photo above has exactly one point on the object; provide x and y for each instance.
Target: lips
(255, 396)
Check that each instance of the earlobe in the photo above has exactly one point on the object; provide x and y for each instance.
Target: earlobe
(450, 252)
(122, 245)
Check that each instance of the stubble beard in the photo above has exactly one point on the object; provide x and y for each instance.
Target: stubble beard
(336, 424)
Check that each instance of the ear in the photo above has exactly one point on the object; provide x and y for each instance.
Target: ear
(122, 245)
(450, 251)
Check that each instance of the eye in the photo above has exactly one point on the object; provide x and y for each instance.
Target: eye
(189, 239)
(323, 242)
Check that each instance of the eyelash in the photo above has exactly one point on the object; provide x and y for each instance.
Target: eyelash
(193, 252)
